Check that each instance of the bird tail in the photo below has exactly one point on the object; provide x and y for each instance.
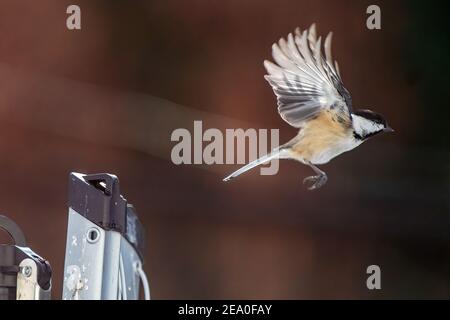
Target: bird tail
(275, 154)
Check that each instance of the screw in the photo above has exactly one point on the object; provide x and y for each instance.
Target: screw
(26, 271)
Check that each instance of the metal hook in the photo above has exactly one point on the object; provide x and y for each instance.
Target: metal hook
(13, 230)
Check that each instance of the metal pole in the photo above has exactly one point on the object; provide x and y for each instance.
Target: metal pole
(104, 248)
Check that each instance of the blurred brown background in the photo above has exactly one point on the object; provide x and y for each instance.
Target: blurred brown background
(85, 101)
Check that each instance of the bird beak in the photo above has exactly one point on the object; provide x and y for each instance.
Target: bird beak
(388, 129)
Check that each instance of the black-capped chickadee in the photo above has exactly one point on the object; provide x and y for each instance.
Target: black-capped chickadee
(312, 97)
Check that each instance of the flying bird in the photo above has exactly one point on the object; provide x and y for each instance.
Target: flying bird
(311, 97)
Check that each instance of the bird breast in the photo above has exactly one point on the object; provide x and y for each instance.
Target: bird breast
(323, 138)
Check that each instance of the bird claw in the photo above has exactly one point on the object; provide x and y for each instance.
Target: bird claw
(315, 181)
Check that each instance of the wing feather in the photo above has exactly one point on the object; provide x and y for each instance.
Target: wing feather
(303, 80)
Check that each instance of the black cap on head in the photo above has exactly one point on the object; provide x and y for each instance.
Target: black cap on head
(372, 116)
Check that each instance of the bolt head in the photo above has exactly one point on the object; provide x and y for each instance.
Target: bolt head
(27, 271)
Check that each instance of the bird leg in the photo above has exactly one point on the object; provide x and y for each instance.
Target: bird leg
(315, 181)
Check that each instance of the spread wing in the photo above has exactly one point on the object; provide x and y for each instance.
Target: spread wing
(304, 81)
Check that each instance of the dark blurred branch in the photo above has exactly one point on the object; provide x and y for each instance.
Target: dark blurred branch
(94, 114)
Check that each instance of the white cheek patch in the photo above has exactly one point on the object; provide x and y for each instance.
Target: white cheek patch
(364, 127)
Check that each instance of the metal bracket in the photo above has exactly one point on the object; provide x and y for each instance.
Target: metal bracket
(24, 275)
(27, 282)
